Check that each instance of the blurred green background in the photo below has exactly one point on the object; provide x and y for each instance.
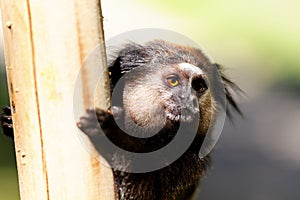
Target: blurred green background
(259, 42)
(8, 172)
(261, 34)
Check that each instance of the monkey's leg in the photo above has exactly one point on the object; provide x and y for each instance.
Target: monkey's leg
(6, 122)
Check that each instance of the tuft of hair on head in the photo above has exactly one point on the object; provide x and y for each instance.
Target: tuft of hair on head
(229, 87)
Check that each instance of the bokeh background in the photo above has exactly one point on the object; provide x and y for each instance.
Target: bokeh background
(258, 156)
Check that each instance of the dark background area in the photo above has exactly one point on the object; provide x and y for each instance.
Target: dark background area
(257, 158)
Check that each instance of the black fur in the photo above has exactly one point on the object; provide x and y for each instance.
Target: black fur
(179, 180)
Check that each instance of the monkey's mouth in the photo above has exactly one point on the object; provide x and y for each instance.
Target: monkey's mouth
(185, 115)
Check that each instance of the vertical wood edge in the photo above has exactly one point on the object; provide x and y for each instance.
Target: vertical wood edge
(20, 69)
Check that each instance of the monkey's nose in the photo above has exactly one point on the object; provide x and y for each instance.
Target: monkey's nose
(195, 104)
(192, 105)
(190, 102)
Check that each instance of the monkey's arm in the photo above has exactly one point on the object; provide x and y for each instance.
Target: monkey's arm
(6, 122)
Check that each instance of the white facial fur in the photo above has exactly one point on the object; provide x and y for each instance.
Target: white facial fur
(190, 67)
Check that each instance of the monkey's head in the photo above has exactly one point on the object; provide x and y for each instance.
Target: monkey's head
(164, 83)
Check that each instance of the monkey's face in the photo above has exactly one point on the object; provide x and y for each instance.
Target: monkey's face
(156, 95)
(185, 84)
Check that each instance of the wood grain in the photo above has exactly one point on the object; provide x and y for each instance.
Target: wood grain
(46, 43)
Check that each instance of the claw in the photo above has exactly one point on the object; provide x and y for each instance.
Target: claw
(6, 110)
(79, 125)
(6, 121)
(89, 110)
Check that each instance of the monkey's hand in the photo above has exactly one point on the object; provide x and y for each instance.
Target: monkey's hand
(6, 122)
(97, 123)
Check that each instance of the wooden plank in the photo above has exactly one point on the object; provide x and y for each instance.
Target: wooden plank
(46, 42)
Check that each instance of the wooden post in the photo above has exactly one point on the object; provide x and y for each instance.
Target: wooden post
(46, 43)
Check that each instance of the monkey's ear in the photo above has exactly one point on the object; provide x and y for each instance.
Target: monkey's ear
(229, 87)
(132, 55)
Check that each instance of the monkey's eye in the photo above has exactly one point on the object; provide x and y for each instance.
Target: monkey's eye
(173, 80)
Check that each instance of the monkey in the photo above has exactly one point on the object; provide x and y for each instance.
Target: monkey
(161, 87)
